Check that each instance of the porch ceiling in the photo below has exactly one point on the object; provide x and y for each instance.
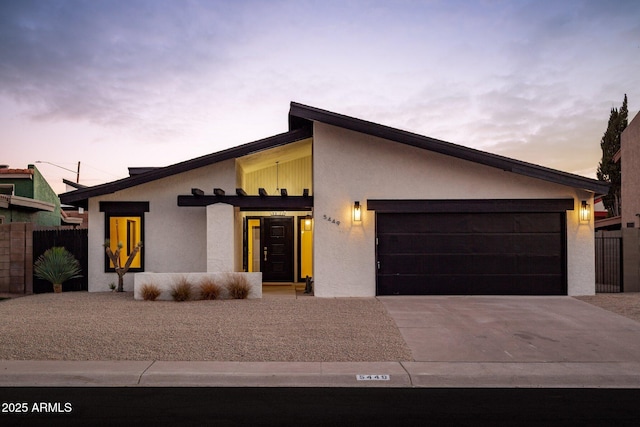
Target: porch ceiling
(269, 157)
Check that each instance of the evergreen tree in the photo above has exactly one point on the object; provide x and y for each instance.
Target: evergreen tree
(608, 170)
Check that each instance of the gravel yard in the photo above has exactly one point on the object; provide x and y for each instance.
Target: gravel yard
(626, 304)
(113, 326)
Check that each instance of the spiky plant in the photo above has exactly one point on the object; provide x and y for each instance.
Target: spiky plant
(57, 265)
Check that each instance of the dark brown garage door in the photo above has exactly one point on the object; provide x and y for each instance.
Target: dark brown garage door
(471, 253)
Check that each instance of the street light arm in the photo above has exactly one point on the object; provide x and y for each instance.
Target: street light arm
(58, 166)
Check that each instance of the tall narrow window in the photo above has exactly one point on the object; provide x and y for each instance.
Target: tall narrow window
(124, 228)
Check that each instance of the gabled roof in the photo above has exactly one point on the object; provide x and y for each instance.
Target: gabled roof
(301, 118)
(80, 197)
(298, 113)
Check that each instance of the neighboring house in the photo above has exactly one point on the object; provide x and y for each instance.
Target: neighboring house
(363, 208)
(25, 196)
(630, 197)
(79, 216)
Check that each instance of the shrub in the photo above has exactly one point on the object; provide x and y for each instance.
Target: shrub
(150, 292)
(238, 286)
(209, 289)
(57, 265)
(181, 290)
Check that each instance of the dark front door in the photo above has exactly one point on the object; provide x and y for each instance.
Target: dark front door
(276, 261)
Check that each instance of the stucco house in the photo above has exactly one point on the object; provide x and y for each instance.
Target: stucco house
(25, 196)
(363, 208)
(630, 190)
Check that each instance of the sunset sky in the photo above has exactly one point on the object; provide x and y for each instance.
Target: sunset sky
(114, 84)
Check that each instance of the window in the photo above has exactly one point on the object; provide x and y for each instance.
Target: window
(124, 225)
(7, 189)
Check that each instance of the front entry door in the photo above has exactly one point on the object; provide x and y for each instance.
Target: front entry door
(276, 260)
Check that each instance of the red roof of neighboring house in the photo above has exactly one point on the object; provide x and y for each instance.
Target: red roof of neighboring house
(16, 171)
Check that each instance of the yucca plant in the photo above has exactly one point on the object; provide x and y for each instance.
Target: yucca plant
(57, 265)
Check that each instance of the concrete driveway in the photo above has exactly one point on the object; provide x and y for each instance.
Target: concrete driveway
(517, 339)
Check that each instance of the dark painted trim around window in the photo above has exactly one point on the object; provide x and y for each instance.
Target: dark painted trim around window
(125, 208)
(132, 209)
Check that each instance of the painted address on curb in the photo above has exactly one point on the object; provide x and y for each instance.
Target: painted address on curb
(384, 377)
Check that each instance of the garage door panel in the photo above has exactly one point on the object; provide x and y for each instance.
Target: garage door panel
(416, 285)
(528, 243)
(470, 285)
(470, 264)
(542, 264)
(481, 253)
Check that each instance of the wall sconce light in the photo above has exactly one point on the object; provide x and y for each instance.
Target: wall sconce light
(307, 223)
(585, 212)
(357, 212)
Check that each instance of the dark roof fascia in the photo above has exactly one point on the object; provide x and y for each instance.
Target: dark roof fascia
(79, 197)
(73, 184)
(470, 206)
(139, 170)
(300, 111)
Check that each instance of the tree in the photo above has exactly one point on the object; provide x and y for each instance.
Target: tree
(115, 259)
(608, 170)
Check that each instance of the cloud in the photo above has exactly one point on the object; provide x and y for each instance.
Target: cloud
(518, 78)
(110, 62)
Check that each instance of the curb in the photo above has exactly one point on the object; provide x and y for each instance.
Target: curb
(17, 373)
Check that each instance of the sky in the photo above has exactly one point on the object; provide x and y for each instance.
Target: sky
(113, 84)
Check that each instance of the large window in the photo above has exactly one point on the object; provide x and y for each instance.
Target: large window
(124, 227)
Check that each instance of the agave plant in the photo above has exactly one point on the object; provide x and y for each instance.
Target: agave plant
(57, 265)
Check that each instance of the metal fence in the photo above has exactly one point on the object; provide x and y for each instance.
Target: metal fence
(608, 262)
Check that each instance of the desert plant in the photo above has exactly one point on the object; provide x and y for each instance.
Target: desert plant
(115, 259)
(209, 289)
(150, 292)
(181, 291)
(112, 286)
(238, 286)
(57, 265)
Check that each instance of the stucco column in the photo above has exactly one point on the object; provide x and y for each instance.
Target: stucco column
(220, 238)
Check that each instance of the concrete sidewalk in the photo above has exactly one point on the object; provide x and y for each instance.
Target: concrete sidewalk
(455, 342)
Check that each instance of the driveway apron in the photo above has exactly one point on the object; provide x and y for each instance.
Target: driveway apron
(512, 329)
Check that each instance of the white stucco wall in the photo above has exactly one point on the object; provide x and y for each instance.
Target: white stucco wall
(350, 166)
(221, 238)
(175, 237)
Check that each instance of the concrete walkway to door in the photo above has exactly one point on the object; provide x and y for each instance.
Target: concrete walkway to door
(507, 341)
